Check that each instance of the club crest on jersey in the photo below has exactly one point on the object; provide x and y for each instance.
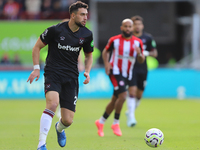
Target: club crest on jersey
(81, 40)
(121, 83)
(48, 86)
(62, 38)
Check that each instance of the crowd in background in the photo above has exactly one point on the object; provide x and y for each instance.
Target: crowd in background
(35, 9)
(31, 10)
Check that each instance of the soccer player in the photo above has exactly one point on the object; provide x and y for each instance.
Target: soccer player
(125, 48)
(64, 41)
(140, 70)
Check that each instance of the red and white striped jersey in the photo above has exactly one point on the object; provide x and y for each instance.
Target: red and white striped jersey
(123, 54)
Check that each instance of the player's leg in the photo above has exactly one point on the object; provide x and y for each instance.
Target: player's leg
(138, 97)
(65, 121)
(58, 112)
(131, 105)
(140, 87)
(120, 91)
(118, 107)
(109, 108)
(52, 101)
(68, 98)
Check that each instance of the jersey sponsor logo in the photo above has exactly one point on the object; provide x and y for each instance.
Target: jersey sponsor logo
(68, 48)
(131, 58)
(81, 41)
(62, 38)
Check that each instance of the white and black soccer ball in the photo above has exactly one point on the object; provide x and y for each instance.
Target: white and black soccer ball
(154, 137)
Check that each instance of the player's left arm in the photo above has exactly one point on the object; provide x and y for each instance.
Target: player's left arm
(88, 66)
(88, 49)
(153, 51)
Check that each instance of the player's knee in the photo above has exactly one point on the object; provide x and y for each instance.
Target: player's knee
(67, 122)
(52, 105)
(123, 96)
(132, 95)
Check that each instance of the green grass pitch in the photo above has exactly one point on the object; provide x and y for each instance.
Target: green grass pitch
(179, 120)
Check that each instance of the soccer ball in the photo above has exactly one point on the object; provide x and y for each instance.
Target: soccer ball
(154, 137)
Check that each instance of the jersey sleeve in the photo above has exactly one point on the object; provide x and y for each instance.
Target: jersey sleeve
(109, 46)
(48, 35)
(89, 45)
(152, 43)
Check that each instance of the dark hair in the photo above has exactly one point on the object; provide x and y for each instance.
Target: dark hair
(134, 18)
(75, 6)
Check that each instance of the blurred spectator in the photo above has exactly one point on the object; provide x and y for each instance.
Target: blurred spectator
(46, 9)
(11, 10)
(21, 5)
(32, 9)
(66, 4)
(86, 1)
(57, 6)
(5, 60)
(16, 60)
(1, 9)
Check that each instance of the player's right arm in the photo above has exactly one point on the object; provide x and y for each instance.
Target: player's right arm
(105, 56)
(36, 58)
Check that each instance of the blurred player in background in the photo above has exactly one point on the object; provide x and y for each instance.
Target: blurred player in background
(140, 70)
(125, 48)
(65, 41)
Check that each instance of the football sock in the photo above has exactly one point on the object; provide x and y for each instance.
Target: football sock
(137, 102)
(116, 118)
(131, 105)
(116, 121)
(45, 124)
(61, 126)
(103, 118)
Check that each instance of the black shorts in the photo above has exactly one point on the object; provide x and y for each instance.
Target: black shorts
(120, 83)
(139, 79)
(66, 87)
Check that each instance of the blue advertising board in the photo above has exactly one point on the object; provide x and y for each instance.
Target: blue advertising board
(13, 84)
(161, 83)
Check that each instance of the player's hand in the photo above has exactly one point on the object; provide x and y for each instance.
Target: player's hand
(87, 80)
(34, 74)
(138, 50)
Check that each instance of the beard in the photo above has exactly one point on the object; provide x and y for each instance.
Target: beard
(127, 34)
(79, 24)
